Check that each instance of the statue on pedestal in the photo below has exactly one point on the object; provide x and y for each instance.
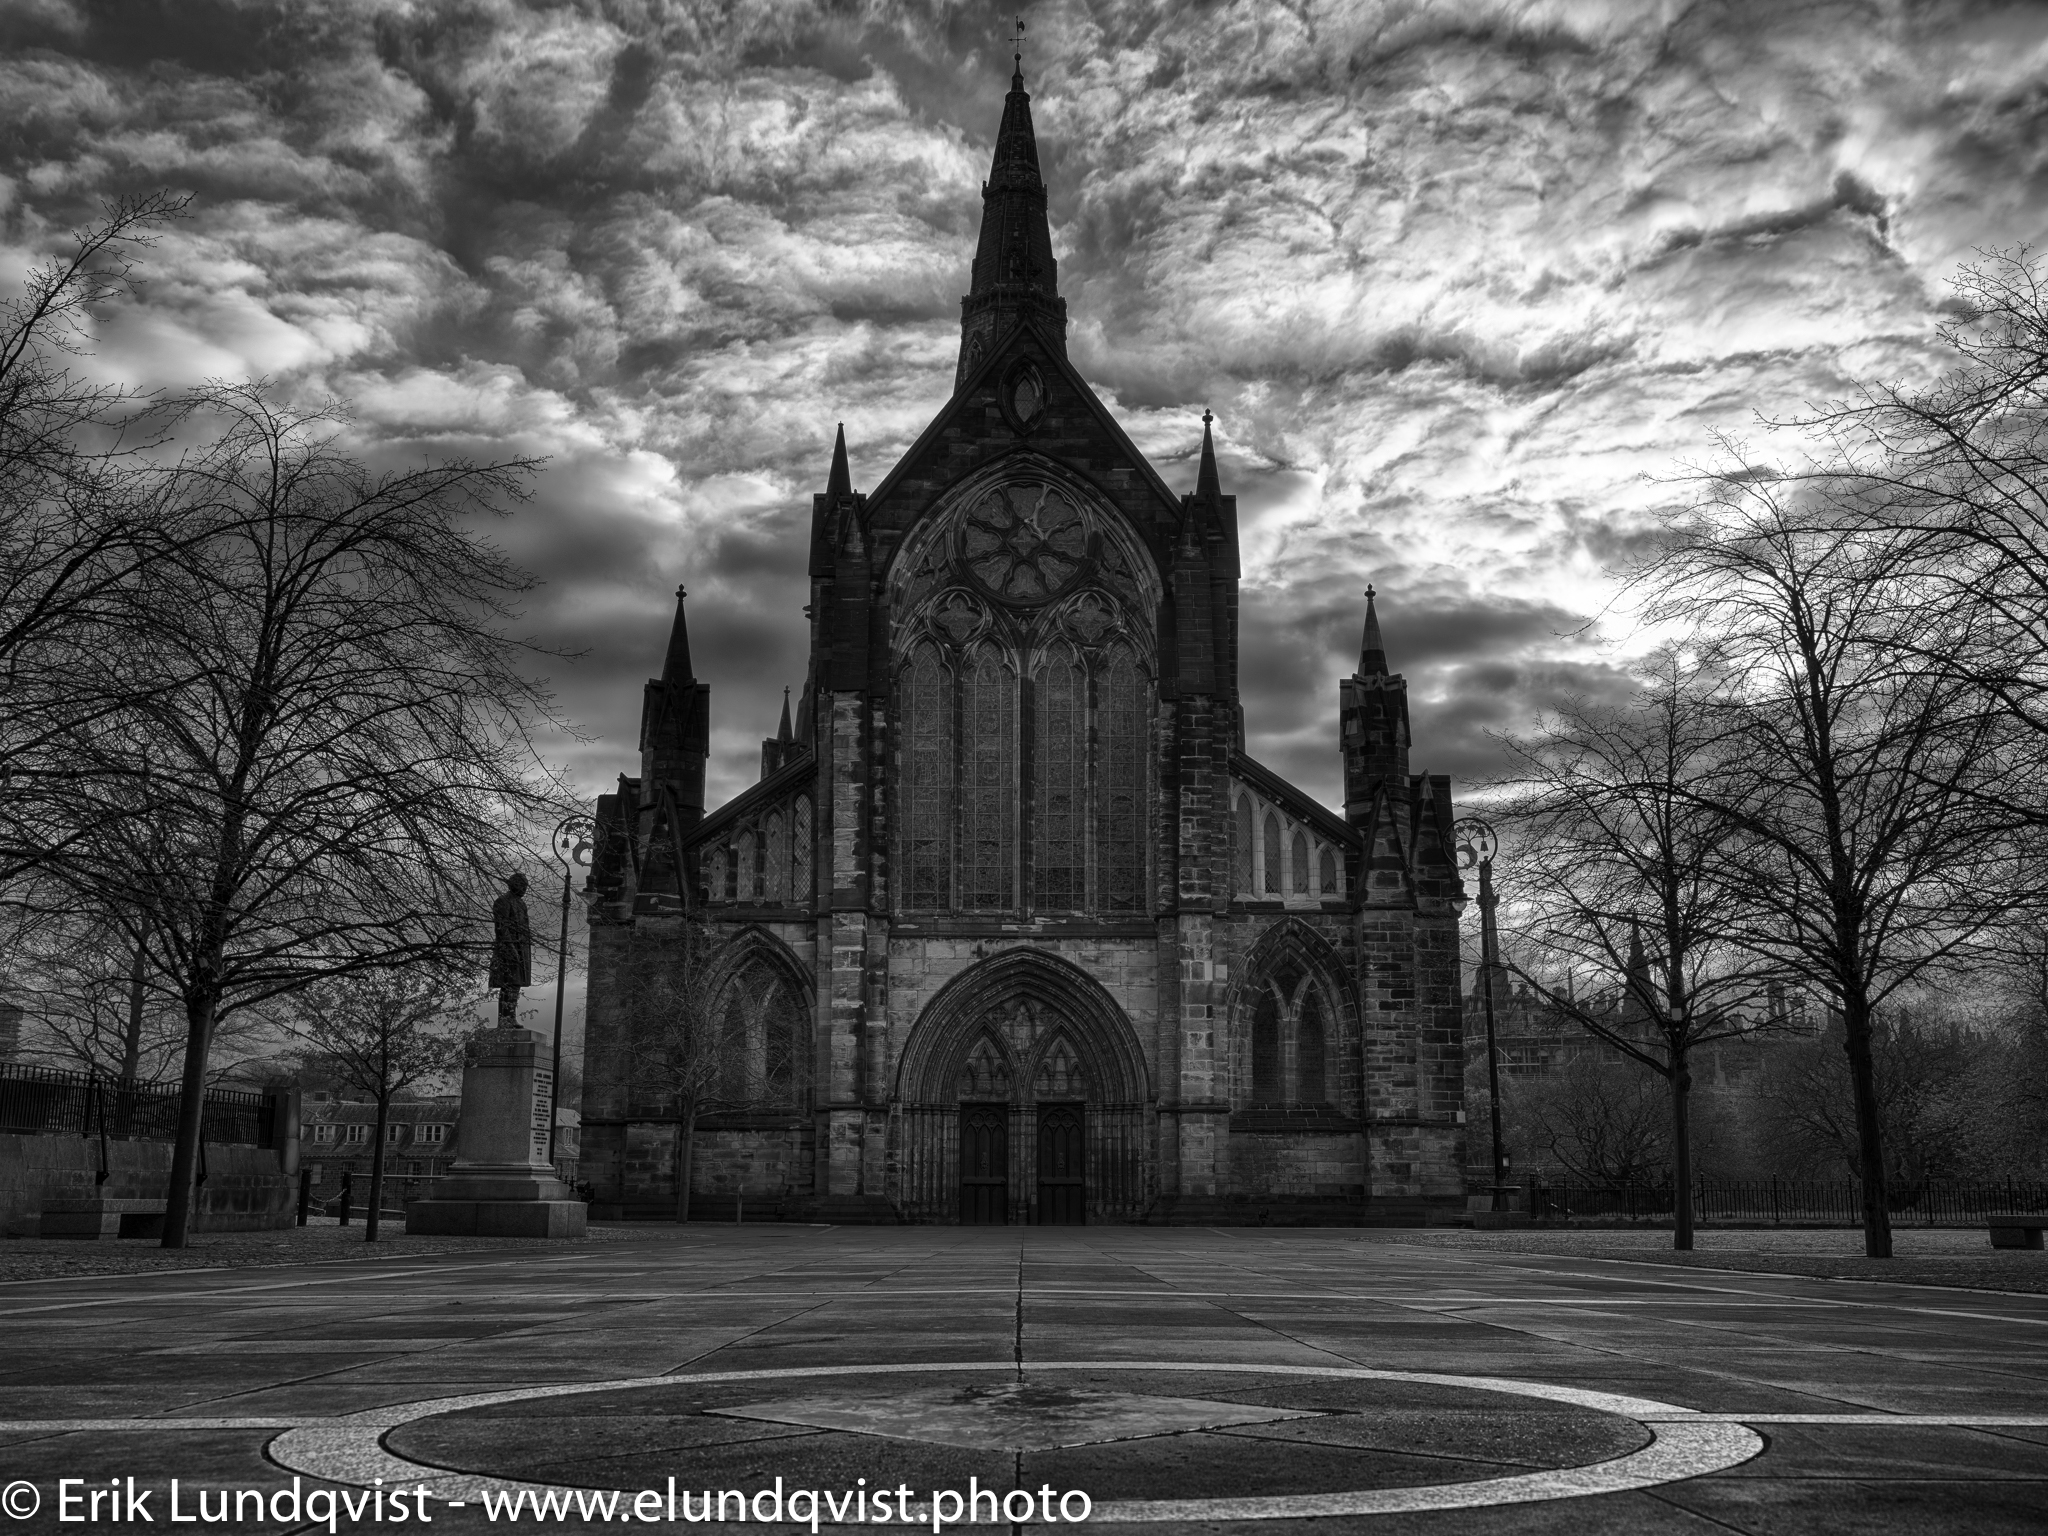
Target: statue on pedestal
(511, 949)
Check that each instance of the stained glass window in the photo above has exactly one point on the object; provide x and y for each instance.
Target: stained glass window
(775, 860)
(988, 793)
(928, 785)
(1299, 857)
(1272, 853)
(781, 1030)
(735, 1076)
(1120, 789)
(745, 849)
(1309, 1052)
(1241, 846)
(1266, 1087)
(1059, 786)
(731, 859)
(801, 887)
(1329, 872)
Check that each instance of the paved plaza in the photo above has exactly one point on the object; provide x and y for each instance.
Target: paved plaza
(1233, 1380)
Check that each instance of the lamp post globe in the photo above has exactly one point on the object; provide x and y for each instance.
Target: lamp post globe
(573, 841)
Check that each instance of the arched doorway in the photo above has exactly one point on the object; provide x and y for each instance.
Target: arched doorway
(1022, 1096)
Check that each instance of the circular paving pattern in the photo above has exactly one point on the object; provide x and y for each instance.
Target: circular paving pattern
(1225, 1441)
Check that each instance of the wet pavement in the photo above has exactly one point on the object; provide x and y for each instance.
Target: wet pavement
(1172, 1379)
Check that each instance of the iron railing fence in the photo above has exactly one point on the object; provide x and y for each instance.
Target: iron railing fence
(54, 1101)
(1789, 1202)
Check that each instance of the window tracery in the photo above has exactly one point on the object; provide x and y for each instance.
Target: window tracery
(775, 858)
(1290, 1044)
(1059, 786)
(1058, 665)
(988, 794)
(801, 886)
(1271, 850)
(928, 810)
(1298, 856)
(1121, 798)
(1241, 846)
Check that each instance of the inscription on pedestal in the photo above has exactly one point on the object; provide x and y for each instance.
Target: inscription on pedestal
(543, 1111)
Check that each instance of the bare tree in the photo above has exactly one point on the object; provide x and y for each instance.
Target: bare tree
(83, 521)
(381, 1033)
(325, 756)
(1603, 1122)
(1956, 471)
(1870, 797)
(1614, 836)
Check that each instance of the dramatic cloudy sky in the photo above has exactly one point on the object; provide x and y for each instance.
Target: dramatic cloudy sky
(1460, 280)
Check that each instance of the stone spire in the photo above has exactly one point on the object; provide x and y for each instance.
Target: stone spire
(782, 732)
(1208, 485)
(675, 666)
(1372, 651)
(840, 481)
(675, 729)
(1015, 277)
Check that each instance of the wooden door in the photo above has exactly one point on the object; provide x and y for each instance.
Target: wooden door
(1062, 1159)
(984, 1164)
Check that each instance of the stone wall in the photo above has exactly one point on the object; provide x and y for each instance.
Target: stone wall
(246, 1188)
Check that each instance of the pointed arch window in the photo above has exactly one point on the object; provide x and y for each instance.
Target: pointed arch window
(801, 890)
(1310, 1050)
(1267, 1074)
(1290, 1042)
(988, 789)
(744, 858)
(1120, 793)
(1329, 872)
(1241, 846)
(762, 1034)
(1059, 787)
(928, 784)
(1272, 854)
(775, 861)
(1298, 856)
(730, 858)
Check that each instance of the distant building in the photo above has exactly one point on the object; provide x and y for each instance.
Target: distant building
(337, 1134)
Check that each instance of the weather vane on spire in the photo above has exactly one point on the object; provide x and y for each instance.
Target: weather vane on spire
(1019, 54)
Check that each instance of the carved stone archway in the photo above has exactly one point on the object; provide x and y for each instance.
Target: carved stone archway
(1009, 1038)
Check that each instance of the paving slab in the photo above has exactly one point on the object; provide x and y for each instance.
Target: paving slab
(1313, 1382)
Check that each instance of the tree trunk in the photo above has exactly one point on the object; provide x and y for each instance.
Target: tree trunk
(178, 1200)
(686, 1133)
(376, 1214)
(1681, 1151)
(1877, 1220)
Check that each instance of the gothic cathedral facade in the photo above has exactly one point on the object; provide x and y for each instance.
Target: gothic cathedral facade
(1012, 929)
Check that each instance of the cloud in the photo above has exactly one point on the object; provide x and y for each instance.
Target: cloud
(1464, 281)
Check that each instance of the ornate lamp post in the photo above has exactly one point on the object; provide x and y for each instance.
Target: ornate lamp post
(572, 847)
(1476, 845)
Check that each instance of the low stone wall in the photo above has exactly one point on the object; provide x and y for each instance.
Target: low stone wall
(246, 1188)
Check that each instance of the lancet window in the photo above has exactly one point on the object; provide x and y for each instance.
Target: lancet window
(761, 1044)
(988, 793)
(801, 889)
(1120, 797)
(1273, 855)
(1059, 786)
(1289, 1044)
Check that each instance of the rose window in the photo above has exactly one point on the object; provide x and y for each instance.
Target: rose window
(1025, 541)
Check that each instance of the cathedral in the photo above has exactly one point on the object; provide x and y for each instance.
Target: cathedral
(1012, 928)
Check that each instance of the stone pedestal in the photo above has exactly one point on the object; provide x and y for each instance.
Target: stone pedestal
(502, 1184)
